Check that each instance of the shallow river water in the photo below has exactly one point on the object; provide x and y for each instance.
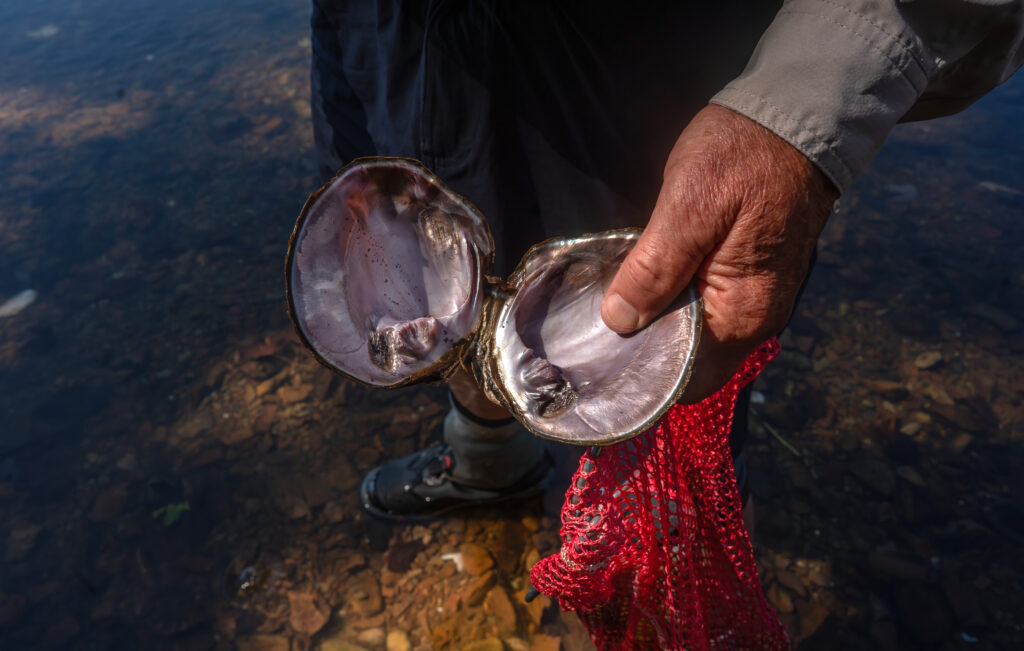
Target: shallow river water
(177, 472)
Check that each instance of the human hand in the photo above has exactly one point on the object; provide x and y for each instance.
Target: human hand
(740, 210)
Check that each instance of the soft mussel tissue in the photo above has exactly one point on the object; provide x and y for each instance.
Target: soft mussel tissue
(388, 282)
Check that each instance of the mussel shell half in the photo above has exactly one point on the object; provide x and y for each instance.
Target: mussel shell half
(386, 272)
(566, 375)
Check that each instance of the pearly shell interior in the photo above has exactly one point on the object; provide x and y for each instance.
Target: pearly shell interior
(567, 375)
(386, 272)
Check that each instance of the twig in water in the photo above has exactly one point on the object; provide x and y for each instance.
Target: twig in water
(774, 432)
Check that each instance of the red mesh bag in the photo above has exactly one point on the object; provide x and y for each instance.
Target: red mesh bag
(654, 552)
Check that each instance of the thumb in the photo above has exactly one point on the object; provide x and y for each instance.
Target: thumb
(652, 275)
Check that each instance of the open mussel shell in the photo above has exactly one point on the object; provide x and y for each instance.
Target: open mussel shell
(564, 374)
(387, 280)
(386, 273)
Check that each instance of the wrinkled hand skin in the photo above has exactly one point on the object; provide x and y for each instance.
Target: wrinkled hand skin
(740, 209)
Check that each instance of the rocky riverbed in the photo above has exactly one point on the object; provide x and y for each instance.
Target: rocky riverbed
(176, 472)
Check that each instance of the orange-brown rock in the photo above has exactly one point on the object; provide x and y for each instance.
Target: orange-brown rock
(477, 589)
(545, 643)
(365, 596)
(307, 613)
(263, 643)
(476, 559)
(498, 604)
(487, 644)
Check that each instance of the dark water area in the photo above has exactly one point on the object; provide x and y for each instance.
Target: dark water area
(177, 472)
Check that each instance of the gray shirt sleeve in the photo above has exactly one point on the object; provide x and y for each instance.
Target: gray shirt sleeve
(833, 77)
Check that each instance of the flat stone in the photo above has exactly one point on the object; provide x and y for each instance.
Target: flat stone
(477, 588)
(263, 643)
(888, 389)
(534, 609)
(928, 359)
(476, 559)
(545, 643)
(497, 603)
(233, 435)
(910, 428)
(372, 637)
(287, 499)
(265, 419)
(340, 643)
(779, 598)
(377, 621)
(818, 575)
(912, 476)
(398, 641)
(812, 616)
(334, 512)
(307, 614)
(487, 644)
(791, 581)
(264, 387)
(289, 394)
(960, 442)
(937, 393)
(365, 595)
(128, 462)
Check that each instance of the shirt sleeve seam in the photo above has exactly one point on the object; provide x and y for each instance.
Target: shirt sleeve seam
(850, 29)
(897, 39)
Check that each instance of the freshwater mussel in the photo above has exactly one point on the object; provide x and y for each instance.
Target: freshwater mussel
(388, 281)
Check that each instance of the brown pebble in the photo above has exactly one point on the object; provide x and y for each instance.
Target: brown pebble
(476, 559)
(477, 589)
(290, 394)
(497, 603)
(263, 643)
(791, 581)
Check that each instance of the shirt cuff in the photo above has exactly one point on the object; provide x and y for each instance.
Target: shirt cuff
(830, 81)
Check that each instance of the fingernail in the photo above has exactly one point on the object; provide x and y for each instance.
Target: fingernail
(620, 315)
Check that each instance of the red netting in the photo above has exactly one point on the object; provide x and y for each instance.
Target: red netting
(654, 553)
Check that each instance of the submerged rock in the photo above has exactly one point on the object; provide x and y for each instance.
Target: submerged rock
(17, 303)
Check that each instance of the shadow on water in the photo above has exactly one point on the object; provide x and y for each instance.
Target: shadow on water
(176, 472)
